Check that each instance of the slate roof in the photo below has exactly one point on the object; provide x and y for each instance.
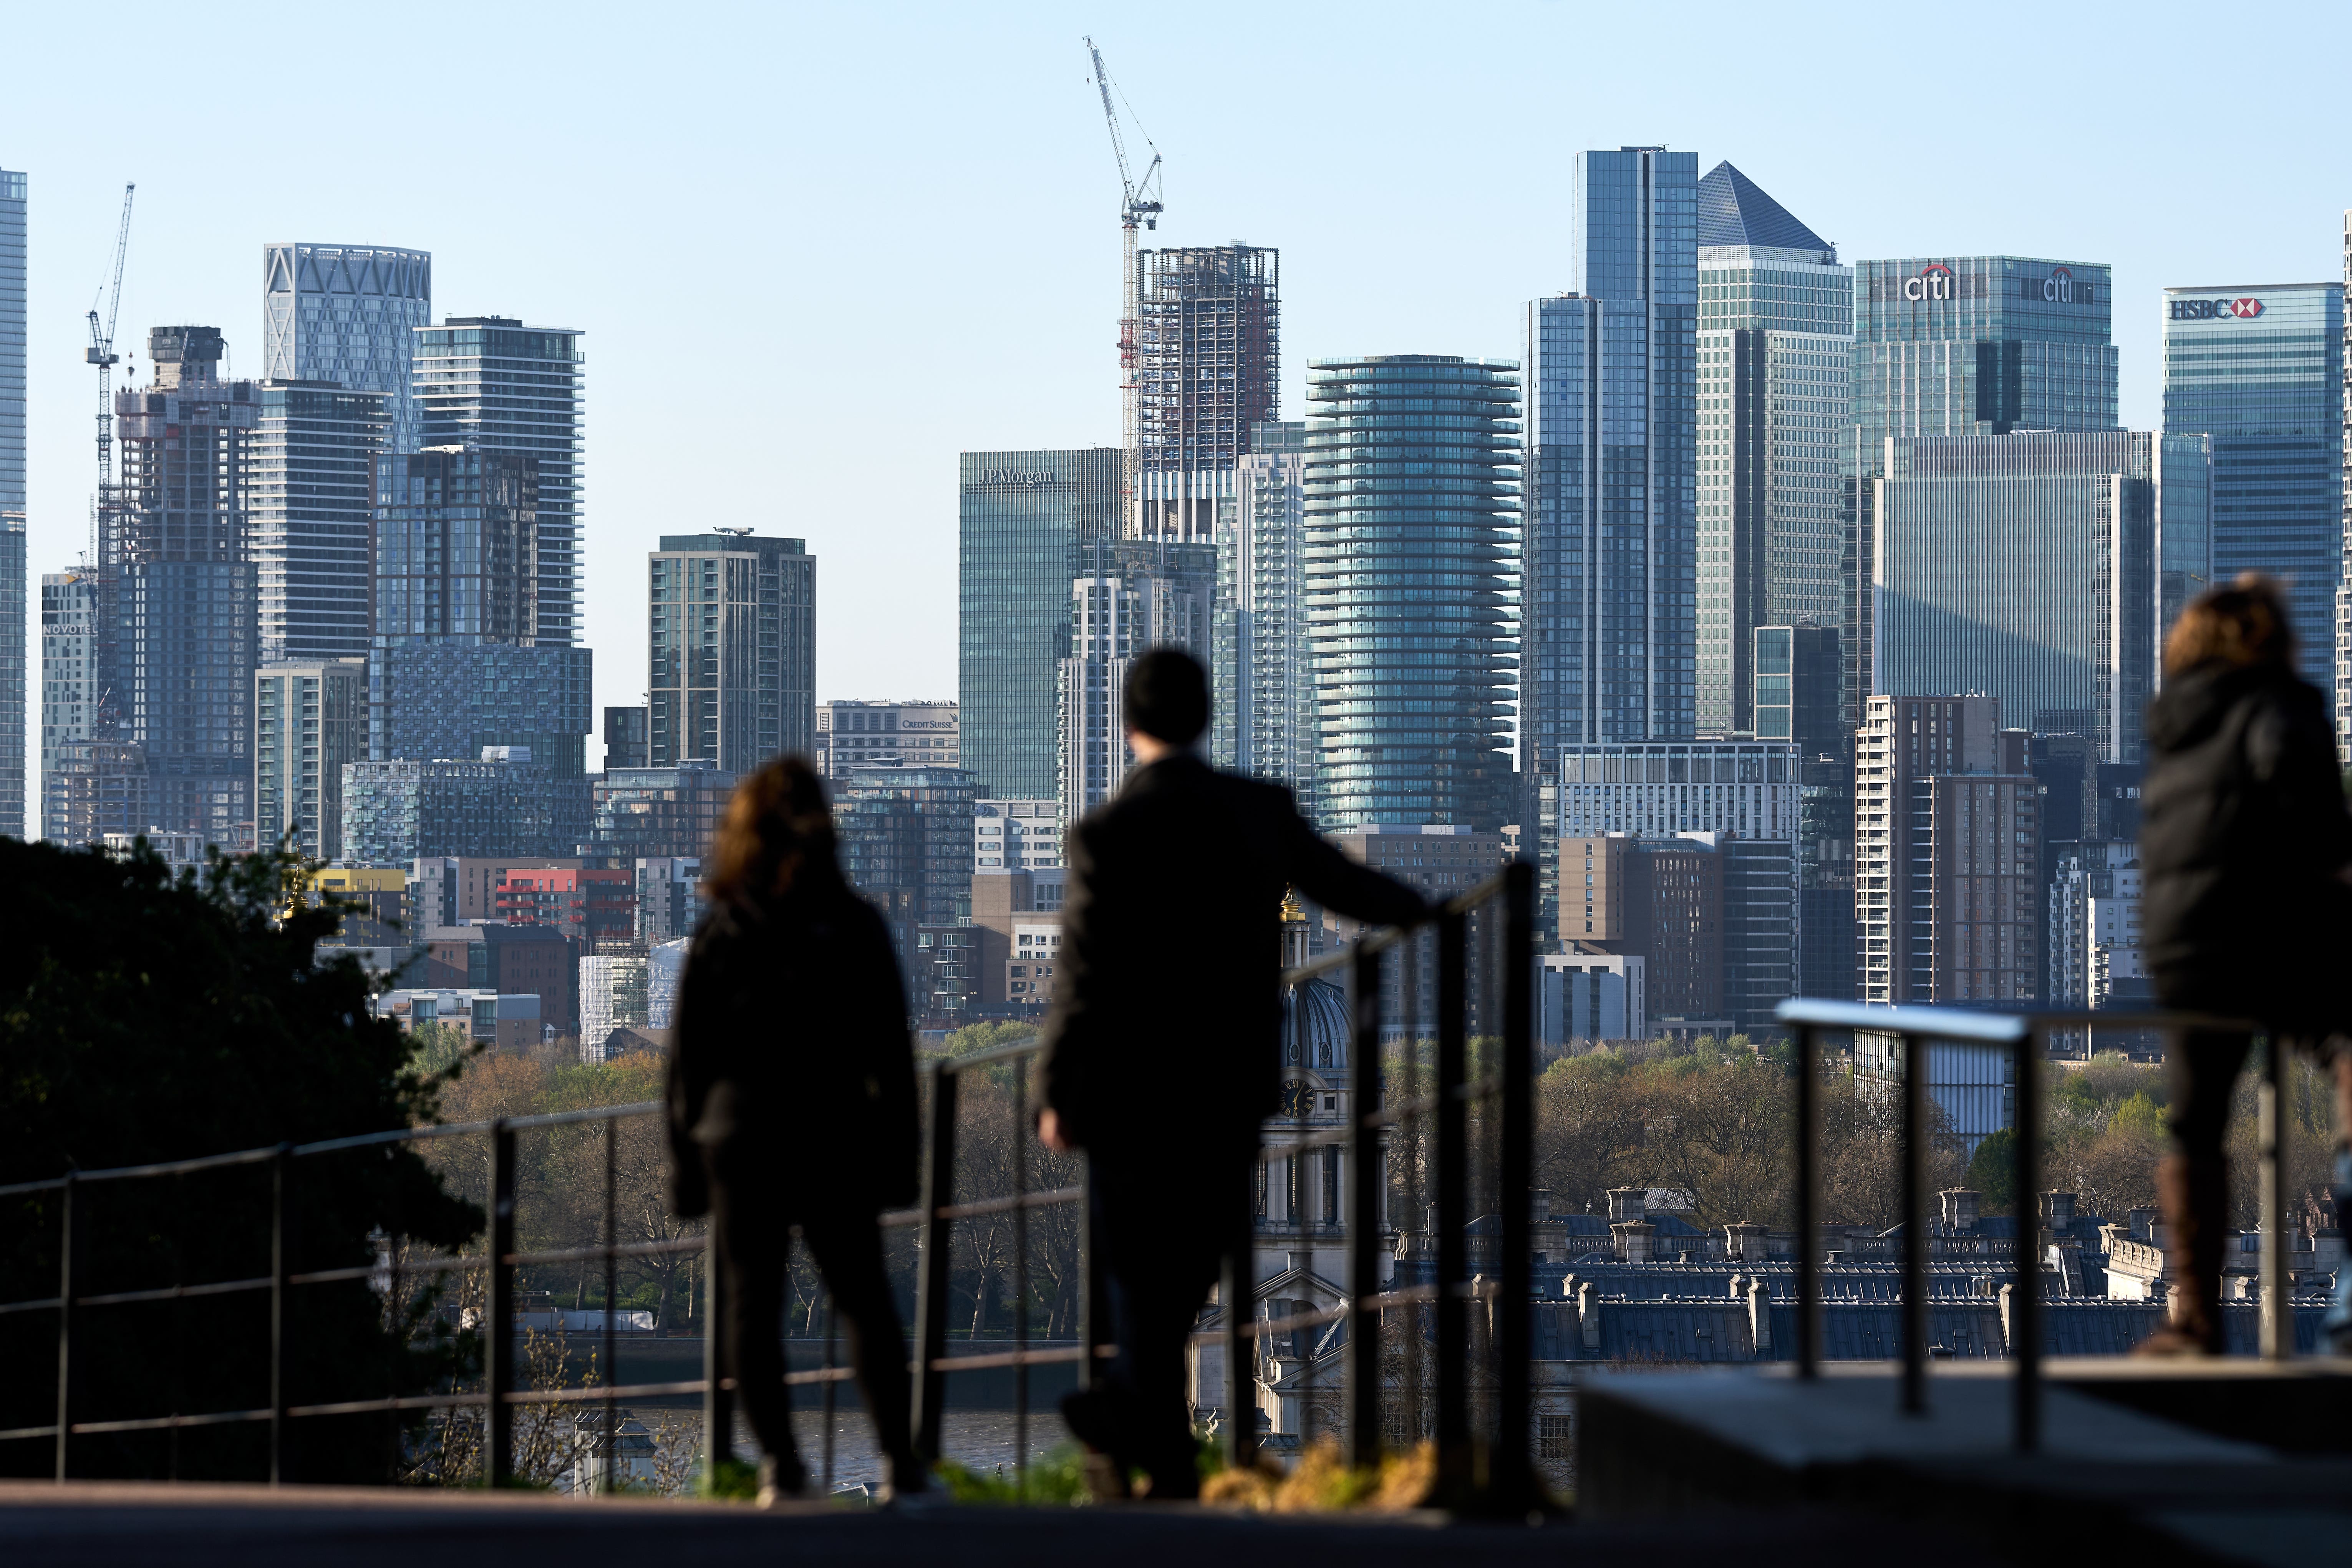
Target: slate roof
(1733, 211)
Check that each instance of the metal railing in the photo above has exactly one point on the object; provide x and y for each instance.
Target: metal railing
(1508, 1476)
(2026, 1037)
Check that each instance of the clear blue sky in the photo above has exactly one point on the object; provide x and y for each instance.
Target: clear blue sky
(817, 251)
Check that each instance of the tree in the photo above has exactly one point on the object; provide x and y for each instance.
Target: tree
(150, 1016)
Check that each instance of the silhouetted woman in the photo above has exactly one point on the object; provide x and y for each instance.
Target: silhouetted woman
(792, 1101)
(2245, 847)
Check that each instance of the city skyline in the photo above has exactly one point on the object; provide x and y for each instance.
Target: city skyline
(2179, 209)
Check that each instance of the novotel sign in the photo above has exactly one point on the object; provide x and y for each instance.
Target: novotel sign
(1019, 477)
(2244, 308)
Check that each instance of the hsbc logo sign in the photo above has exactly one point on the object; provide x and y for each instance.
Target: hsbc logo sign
(1934, 281)
(2243, 308)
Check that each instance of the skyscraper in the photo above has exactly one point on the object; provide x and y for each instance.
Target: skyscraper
(1775, 353)
(348, 314)
(13, 583)
(309, 718)
(494, 384)
(1976, 345)
(1209, 371)
(176, 592)
(1134, 596)
(1608, 618)
(1021, 520)
(69, 682)
(1948, 847)
(2023, 567)
(457, 662)
(733, 649)
(1263, 664)
(310, 493)
(2260, 369)
(1412, 504)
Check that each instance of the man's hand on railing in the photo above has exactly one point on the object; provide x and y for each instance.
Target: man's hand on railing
(1049, 1131)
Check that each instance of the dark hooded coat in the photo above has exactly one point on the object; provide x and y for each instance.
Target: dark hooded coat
(2243, 830)
(792, 1067)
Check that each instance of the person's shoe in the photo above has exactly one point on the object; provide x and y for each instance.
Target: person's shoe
(780, 1479)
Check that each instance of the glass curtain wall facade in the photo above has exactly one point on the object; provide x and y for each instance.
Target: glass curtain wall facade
(731, 623)
(311, 495)
(1022, 518)
(492, 383)
(1971, 345)
(1265, 721)
(348, 314)
(2023, 567)
(1775, 363)
(15, 585)
(1209, 371)
(2260, 369)
(309, 719)
(1608, 589)
(1412, 514)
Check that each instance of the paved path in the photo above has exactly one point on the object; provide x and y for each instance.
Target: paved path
(95, 1524)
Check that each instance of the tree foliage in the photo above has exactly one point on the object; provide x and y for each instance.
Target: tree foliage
(150, 1016)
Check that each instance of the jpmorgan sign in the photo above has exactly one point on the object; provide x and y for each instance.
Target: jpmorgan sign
(1932, 281)
(1019, 477)
(2243, 308)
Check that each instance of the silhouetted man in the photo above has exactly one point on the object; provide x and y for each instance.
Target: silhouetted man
(1164, 1047)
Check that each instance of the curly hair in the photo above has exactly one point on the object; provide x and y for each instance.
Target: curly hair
(777, 834)
(2245, 623)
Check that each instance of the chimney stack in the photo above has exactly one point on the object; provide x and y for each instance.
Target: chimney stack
(1627, 1205)
(1959, 1210)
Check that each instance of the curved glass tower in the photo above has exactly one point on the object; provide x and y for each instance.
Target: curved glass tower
(1412, 501)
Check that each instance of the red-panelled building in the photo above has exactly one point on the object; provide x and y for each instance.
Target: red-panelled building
(589, 906)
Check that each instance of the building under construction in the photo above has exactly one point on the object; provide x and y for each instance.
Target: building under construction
(176, 612)
(1209, 367)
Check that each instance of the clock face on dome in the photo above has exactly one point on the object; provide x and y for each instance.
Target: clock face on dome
(1298, 1099)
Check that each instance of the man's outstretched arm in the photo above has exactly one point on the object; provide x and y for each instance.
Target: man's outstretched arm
(1313, 865)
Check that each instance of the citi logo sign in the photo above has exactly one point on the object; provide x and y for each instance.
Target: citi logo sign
(2058, 288)
(1017, 477)
(1932, 282)
(2242, 309)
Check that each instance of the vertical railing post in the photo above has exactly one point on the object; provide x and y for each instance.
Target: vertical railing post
(2025, 1288)
(281, 1245)
(1808, 1257)
(1021, 1278)
(1514, 1270)
(1233, 1291)
(718, 1403)
(1915, 1242)
(70, 1232)
(498, 1320)
(1365, 1175)
(1094, 1299)
(931, 1302)
(612, 1443)
(2277, 1314)
(1452, 1171)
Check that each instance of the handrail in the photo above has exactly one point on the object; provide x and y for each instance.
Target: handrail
(1444, 1107)
(2026, 1035)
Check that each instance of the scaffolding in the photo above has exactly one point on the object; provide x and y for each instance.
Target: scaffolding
(1209, 368)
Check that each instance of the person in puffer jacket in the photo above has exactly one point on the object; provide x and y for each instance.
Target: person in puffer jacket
(2246, 853)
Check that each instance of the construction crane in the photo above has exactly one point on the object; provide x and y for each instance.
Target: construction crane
(1143, 206)
(101, 353)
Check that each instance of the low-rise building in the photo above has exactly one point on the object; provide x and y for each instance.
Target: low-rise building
(1016, 924)
(1591, 997)
(613, 996)
(500, 1019)
(670, 812)
(594, 908)
(908, 734)
(1016, 834)
(492, 955)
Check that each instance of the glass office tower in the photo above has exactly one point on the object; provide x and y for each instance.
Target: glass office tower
(731, 641)
(1968, 345)
(2260, 369)
(1775, 351)
(492, 383)
(1608, 587)
(309, 493)
(1262, 664)
(1411, 512)
(13, 583)
(1020, 519)
(348, 314)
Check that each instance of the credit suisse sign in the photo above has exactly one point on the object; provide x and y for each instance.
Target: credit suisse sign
(2243, 308)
